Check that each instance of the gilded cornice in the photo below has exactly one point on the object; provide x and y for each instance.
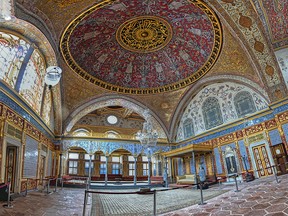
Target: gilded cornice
(189, 149)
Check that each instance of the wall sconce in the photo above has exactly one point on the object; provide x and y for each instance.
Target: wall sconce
(52, 76)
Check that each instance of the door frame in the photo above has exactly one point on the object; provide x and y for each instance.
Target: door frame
(269, 153)
(8, 141)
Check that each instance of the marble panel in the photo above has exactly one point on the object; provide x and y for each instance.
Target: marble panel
(30, 158)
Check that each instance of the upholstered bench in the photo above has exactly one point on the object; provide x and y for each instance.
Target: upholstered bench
(186, 179)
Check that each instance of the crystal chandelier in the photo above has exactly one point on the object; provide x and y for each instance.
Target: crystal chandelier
(148, 136)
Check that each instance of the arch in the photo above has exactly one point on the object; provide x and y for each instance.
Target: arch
(113, 100)
(204, 83)
(212, 113)
(244, 103)
(33, 34)
(81, 132)
(112, 134)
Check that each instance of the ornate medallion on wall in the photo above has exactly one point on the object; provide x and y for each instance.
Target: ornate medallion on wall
(142, 47)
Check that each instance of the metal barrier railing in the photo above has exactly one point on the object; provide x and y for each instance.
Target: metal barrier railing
(49, 183)
(76, 180)
(27, 183)
(149, 191)
(8, 185)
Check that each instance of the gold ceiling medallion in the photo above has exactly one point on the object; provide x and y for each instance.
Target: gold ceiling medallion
(144, 34)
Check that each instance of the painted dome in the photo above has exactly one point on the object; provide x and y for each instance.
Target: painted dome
(138, 47)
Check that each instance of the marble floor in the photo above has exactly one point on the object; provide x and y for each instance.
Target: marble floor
(260, 197)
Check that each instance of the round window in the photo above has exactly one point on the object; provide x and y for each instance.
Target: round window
(112, 119)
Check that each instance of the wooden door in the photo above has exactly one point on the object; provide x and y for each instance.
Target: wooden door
(262, 160)
(280, 158)
(10, 171)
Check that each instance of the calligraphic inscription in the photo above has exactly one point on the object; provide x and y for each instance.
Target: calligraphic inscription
(256, 138)
(144, 34)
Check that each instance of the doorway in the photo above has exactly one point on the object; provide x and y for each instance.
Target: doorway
(280, 158)
(11, 166)
(262, 160)
(42, 169)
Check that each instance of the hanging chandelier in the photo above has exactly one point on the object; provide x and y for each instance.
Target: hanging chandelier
(148, 136)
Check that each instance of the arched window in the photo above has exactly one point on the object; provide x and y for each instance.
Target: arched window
(81, 132)
(212, 113)
(188, 128)
(244, 103)
(112, 134)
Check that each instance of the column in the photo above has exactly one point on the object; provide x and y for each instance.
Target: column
(2, 124)
(166, 172)
(60, 166)
(106, 173)
(89, 171)
(171, 169)
(149, 168)
(135, 170)
(194, 164)
(213, 164)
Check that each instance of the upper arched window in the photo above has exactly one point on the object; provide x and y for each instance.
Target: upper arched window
(81, 132)
(22, 67)
(12, 52)
(244, 103)
(112, 134)
(188, 128)
(212, 113)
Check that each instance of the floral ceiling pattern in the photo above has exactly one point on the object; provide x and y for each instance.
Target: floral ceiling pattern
(126, 47)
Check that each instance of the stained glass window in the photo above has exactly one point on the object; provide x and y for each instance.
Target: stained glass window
(212, 113)
(188, 128)
(244, 103)
(12, 53)
(32, 84)
(47, 108)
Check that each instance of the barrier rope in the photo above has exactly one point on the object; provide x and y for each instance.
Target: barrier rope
(5, 185)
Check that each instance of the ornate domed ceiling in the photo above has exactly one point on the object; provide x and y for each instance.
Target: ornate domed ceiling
(139, 47)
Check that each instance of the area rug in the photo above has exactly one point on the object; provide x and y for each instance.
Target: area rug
(142, 204)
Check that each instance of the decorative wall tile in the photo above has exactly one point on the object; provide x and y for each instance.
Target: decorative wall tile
(225, 94)
(275, 137)
(243, 153)
(285, 130)
(218, 161)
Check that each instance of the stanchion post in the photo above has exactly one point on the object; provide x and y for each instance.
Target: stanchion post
(154, 202)
(26, 190)
(235, 178)
(201, 194)
(56, 184)
(8, 205)
(85, 200)
(62, 181)
(275, 174)
(48, 186)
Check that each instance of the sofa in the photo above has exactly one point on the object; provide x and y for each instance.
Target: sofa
(157, 180)
(185, 179)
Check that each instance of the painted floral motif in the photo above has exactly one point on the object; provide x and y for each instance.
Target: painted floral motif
(95, 50)
(225, 94)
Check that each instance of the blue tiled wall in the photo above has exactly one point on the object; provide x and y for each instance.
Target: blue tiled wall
(218, 161)
(275, 137)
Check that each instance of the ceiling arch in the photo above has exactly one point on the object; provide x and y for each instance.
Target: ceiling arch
(205, 82)
(113, 100)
